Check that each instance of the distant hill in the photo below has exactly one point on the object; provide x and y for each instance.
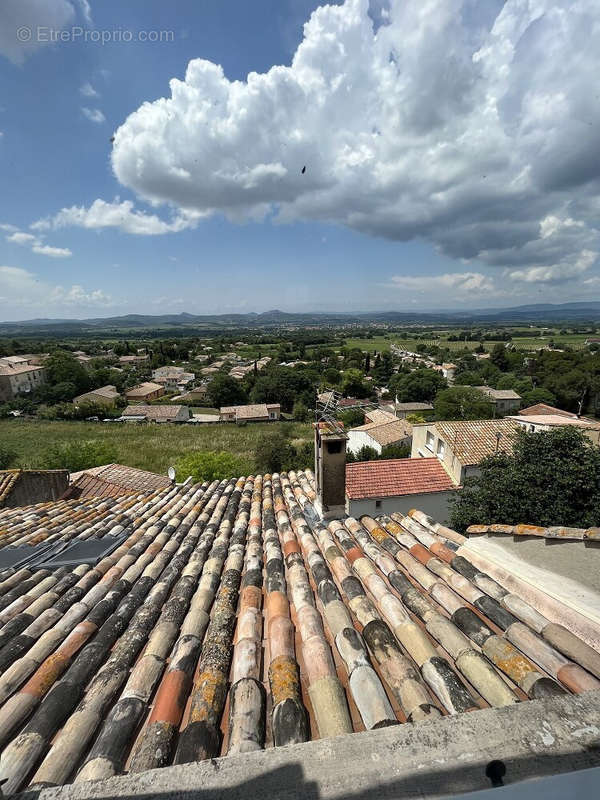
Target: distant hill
(540, 313)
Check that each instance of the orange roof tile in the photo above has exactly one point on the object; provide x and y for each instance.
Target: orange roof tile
(397, 476)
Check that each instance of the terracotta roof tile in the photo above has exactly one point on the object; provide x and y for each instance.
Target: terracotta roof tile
(153, 655)
(396, 477)
(472, 441)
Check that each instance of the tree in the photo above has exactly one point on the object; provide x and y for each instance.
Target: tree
(551, 478)
(365, 453)
(422, 385)
(65, 377)
(462, 402)
(301, 412)
(352, 418)
(224, 390)
(352, 384)
(7, 457)
(395, 451)
(273, 453)
(76, 456)
(209, 465)
(538, 395)
(499, 358)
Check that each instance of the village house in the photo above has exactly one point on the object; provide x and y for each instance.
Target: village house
(259, 412)
(139, 359)
(198, 394)
(462, 445)
(504, 400)
(378, 435)
(19, 379)
(104, 395)
(404, 410)
(162, 413)
(534, 423)
(398, 485)
(144, 392)
(173, 378)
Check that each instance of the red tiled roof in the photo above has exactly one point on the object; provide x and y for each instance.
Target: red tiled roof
(397, 476)
(544, 408)
(113, 480)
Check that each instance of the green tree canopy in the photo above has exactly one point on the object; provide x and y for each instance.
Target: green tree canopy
(274, 453)
(76, 456)
(224, 390)
(538, 395)
(422, 385)
(209, 465)
(353, 384)
(551, 478)
(462, 402)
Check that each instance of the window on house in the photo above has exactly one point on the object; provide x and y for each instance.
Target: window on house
(441, 448)
(429, 440)
(377, 503)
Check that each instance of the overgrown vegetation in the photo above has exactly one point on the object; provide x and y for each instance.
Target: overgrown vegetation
(552, 478)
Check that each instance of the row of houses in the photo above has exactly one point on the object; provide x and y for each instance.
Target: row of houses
(443, 455)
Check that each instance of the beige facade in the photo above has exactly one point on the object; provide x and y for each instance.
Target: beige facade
(19, 379)
(105, 396)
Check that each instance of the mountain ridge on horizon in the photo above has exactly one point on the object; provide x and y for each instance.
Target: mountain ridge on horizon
(580, 310)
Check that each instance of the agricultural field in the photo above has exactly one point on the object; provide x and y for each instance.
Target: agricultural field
(151, 447)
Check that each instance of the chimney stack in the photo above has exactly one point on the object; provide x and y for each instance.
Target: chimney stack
(330, 470)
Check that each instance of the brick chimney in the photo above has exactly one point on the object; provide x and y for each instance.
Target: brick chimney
(330, 470)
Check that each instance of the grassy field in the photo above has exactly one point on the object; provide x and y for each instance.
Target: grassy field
(382, 344)
(151, 447)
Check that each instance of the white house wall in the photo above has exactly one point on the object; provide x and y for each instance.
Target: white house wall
(358, 439)
(434, 503)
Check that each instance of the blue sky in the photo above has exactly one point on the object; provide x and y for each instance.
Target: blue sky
(452, 158)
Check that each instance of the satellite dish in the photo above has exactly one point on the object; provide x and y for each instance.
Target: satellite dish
(171, 473)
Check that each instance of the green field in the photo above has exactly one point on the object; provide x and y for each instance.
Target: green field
(151, 447)
(382, 344)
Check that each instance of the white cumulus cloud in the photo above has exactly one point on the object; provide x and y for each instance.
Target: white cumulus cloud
(26, 290)
(87, 90)
(35, 242)
(94, 115)
(469, 125)
(121, 215)
(20, 21)
(457, 283)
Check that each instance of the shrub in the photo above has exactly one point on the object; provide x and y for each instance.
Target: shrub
(7, 457)
(274, 453)
(76, 456)
(209, 465)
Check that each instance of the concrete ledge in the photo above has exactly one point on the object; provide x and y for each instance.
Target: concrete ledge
(431, 759)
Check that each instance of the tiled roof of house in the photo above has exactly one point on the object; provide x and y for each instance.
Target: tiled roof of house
(385, 433)
(555, 532)
(109, 392)
(8, 478)
(19, 487)
(557, 420)
(499, 394)
(396, 477)
(251, 411)
(114, 480)
(18, 369)
(473, 440)
(231, 618)
(377, 415)
(414, 407)
(143, 389)
(544, 408)
(152, 412)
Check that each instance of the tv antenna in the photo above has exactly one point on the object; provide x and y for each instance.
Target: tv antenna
(328, 408)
